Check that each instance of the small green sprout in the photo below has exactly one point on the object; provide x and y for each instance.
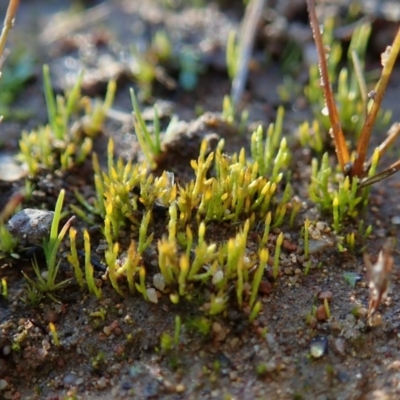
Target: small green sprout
(47, 282)
(307, 224)
(327, 308)
(73, 258)
(150, 144)
(3, 287)
(232, 52)
(255, 311)
(54, 334)
(275, 269)
(177, 331)
(89, 267)
(267, 226)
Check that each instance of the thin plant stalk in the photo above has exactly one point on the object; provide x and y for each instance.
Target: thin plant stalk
(8, 23)
(342, 151)
(388, 60)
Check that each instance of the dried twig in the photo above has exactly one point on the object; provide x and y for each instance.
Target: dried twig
(8, 23)
(250, 22)
(342, 151)
(388, 59)
(14, 201)
(379, 276)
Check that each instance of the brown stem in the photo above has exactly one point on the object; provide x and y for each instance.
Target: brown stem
(8, 23)
(381, 175)
(342, 151)
(362, 147)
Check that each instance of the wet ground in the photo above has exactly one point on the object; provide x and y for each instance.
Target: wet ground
(111, 348)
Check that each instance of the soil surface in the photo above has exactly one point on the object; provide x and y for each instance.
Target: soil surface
(111, 348)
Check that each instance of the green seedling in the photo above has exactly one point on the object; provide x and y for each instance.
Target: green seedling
(150, 144)
(54, 334)
(255, 311)
(89, 267)
(177, 331)
(296, 207)
(311, 136)
(57, 145)
(73, 258)
(232, 52)
(4, 288)
(307, 224)
(263, 256)
(327, 308)
(46, 282)
(267, 227)
(307, 268)
(275, 269)
(58, 111)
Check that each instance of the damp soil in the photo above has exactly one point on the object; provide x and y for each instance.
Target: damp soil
(110, 348)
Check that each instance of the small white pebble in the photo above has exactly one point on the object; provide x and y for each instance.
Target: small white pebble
(159, 282)
(152, 295)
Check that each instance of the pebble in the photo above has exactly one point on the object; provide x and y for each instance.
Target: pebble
(31, 225)
(218, 276)
(7, 350)
(70, 379)
(152, 295)
(10, 170)
(79, 381)
(316, 246)
(102, 383)
(3, 384)
(180, 388)
(319, 346)
(340, 346)
(321, 313)
(159, 282)
(265, 287)
(107, 330)
(396, 220)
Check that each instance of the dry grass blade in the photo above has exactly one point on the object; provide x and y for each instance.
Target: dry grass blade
(379, 276)
(342, 151)
(250, 22)
(381, 175)
(10, 206)
(388, 60)
(8, 23)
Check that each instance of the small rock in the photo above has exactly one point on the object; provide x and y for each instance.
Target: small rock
(102, 383)
(159, 282)
(321, 313)
(79, 382)
(340, 346)
(265, 287)
(288, 245)
(219, 331)
(319, 346)
(7, 350)
(152, 295)
(288, 271)
(107, 330)
(396, 220)
(70, 379)
(327, 294)
(180, 388)
(31, 225)
(3, 384)
(218, 276)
